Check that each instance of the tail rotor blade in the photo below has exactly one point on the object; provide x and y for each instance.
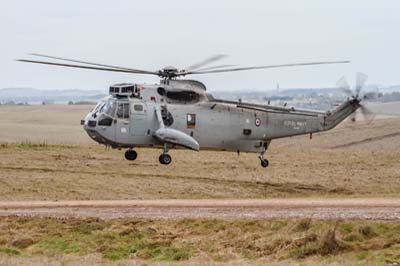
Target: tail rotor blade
(361, 79)
(344, 86)
(369, 116)
(370, 96)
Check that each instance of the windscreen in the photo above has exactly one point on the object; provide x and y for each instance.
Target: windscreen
(107, 112)
(109, 108)
(98, 106)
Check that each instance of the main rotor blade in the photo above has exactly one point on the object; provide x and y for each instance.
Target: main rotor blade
(263, 67)
(360, 82)
(85, 67)
(205, 62)
(94, 64)
(215, 67)
(344, 86)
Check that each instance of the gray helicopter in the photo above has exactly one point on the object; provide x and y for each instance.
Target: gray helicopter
(180, 113)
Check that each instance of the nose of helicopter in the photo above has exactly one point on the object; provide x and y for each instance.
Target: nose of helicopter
(89, 121)
(95, 131)
(89, 125)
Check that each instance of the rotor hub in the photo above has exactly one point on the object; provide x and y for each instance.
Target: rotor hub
(169, 72)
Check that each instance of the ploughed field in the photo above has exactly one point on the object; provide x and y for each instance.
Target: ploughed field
(46, 155)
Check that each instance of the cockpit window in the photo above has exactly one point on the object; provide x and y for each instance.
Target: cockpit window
(97, 107)
(106, 111)
(123, 110)
(110, 107)
(101, 107)
(105, 120)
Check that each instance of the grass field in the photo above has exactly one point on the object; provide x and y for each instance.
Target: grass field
(202, 242)
(45, 155)
(55, 172)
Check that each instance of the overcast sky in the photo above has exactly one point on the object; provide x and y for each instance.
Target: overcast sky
(152, 34)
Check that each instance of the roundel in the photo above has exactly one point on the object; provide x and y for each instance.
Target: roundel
(258, 122)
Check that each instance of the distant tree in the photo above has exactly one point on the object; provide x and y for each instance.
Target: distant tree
(70, 103)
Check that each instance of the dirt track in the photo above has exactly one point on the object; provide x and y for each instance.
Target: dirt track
(325, 209)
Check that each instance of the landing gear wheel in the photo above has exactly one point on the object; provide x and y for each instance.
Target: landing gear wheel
(165, 159)
(130, 155)
(264, 163)
(263, 148)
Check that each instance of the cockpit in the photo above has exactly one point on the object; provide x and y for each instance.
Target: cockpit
(104, 112)
(114, 106)
(106, 119)
(108, 109)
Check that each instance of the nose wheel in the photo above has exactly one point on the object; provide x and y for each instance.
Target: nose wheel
(130, 155)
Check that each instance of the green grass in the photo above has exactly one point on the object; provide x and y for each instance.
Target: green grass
(362, 255)
(145, 249)
(10, 251)
(184, 239)
(276, 226)
(310, 248)
(27, 145)
(303, 225)
(57, 244)
(345, 228)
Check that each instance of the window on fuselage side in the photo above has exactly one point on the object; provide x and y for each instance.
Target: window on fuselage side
(123, 110)
(191, 120)
(183, 96)
(138, 107)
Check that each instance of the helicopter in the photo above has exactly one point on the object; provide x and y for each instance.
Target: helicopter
(180, 113)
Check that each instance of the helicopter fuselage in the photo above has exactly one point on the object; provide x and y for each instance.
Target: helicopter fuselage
(132, 121)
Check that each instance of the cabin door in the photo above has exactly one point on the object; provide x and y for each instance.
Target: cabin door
(121, 123)
(138, 125)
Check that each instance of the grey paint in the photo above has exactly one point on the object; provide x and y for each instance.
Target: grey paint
(220, 125)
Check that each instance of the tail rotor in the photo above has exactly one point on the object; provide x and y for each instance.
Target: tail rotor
(361, 79)
(356, 95)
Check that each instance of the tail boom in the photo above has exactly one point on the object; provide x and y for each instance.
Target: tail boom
(334, 117)
(299, 123)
